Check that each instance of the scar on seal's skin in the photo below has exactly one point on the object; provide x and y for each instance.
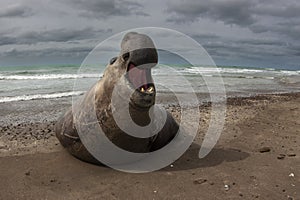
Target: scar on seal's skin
(133, 66)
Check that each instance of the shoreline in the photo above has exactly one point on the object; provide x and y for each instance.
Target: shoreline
(257, 151)
(40, 110)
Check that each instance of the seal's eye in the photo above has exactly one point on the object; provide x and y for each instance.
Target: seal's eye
(113, 60)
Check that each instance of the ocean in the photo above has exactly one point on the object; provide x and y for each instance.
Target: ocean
(28, 83)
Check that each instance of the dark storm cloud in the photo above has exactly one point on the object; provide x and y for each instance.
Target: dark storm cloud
(247, 55)
(256, 51)
(15, 11)
(60, 35)
(205, 37)
(214, 41)
(230, 12)
(54, 35)
(48, 52)
(289, 29)
(285, 9)
(261, 42)
(259, 16)
(239, 12)
(250, 47)
(6, 40)
(295, 50)
(232, 30)
(107, 8)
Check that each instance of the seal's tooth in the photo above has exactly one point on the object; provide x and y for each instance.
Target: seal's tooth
(142, 89)
(150, 89)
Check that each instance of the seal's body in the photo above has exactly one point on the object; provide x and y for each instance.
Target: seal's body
(129, 73)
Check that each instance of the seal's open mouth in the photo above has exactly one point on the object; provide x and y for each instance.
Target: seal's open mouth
(140, 78)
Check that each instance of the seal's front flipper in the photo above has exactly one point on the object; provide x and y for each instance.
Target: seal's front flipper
(67, 135)
(166, 134)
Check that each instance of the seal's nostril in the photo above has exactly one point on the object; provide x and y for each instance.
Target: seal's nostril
(125, 56)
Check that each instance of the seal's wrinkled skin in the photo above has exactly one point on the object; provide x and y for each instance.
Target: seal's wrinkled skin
(132, 68)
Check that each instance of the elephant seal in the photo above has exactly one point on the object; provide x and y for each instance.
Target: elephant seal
(131, 71)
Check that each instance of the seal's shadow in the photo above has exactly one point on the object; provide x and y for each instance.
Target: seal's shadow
(190, 159)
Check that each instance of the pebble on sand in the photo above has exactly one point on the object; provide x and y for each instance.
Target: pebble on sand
(264, 149)
(226, 187)
(200, 181)
(292, 175)
(281, 156)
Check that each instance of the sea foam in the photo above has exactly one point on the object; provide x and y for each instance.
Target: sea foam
(48, 76)
(40, 96)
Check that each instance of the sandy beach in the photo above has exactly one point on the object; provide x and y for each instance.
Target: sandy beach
(256, 157)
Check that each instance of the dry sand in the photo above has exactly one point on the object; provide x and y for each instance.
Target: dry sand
(257, 157)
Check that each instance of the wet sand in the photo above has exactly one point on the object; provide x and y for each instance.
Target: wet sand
(256, 157)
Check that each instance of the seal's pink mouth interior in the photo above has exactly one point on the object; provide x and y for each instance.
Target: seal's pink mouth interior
(139, 77)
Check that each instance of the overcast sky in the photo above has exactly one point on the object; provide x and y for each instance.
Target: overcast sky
(262, 33)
